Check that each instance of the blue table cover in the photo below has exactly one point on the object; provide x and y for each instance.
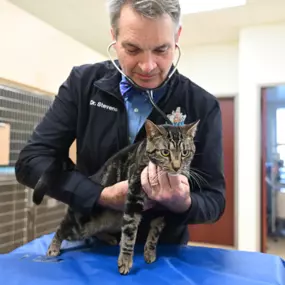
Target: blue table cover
(94, 265)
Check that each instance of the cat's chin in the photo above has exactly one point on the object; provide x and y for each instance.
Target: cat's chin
(171, 172)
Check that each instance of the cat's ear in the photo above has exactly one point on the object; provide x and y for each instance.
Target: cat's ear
(191, 129)
(152, 130)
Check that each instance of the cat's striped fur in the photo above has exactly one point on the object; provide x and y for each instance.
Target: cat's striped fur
(170, 147)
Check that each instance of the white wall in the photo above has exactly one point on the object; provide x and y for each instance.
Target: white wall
(261, 63)
(35, 54)
(215, 68)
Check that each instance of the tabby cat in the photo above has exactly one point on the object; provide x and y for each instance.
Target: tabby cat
(170, 147)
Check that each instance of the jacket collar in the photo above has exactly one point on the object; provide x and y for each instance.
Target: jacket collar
(110, 81)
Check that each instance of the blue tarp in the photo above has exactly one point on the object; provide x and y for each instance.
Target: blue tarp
(96, 265)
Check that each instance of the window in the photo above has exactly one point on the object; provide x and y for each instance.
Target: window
(280, 132)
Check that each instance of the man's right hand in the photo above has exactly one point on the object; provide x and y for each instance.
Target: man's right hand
(115, 196)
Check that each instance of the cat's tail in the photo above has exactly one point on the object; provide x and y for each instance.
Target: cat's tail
(50, 176)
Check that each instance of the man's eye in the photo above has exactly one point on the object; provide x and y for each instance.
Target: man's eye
(132, 51)
(161, 50)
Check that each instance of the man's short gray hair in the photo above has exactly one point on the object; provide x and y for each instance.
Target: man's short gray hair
(148, 8)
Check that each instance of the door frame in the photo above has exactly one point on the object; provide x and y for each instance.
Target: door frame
(263, 201)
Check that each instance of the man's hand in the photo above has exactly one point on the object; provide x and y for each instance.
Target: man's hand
(114, 197)
(172, 191)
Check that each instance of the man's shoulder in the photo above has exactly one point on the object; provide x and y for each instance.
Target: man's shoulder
(93, 70)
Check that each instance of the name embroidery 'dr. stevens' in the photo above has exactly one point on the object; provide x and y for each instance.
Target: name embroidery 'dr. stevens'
(103, 106)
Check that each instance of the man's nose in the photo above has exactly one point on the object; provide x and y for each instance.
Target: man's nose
(147, 64)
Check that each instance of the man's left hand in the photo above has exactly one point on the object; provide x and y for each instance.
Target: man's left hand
(172, 191)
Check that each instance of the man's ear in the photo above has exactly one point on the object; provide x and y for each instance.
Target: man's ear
(113, 34)
(178, 34)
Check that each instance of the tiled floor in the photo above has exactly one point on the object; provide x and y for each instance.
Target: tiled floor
(276, 248)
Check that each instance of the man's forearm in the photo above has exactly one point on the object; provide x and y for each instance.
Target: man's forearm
(72, 188)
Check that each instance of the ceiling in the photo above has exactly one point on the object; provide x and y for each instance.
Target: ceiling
(87, 20)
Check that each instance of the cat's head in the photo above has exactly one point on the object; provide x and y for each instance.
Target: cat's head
(171, 147)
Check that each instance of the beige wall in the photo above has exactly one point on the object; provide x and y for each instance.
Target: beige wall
(35, 54)
(214, 67)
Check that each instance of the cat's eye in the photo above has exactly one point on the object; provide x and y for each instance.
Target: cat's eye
(185, 152)
(165, 152)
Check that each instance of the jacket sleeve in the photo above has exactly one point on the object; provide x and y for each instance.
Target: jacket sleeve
(51, 139)
(208, 201)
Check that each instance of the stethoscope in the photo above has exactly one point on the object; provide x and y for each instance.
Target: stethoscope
(149, 91)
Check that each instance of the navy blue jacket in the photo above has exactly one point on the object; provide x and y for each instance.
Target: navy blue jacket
(90, 109)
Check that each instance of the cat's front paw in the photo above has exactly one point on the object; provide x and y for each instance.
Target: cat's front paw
(149, 255)
(125, 263)
(53, 250)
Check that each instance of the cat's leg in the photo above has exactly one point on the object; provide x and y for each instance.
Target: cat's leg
(131, 220)
(108, 238)
(54, 248)
(64, 231)
(156, 227)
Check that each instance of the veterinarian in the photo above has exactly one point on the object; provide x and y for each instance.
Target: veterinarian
(105, 111)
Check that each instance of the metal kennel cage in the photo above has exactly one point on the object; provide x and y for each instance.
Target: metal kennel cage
(20, 220)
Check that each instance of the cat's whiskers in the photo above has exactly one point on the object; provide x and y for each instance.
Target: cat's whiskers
(200, 171)
(192, 177)
(198, 179)
(202, 179)
(191, 183)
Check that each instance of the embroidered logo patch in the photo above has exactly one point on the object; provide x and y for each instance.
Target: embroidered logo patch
(176, 117)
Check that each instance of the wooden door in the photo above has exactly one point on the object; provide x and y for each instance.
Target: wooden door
(222, 232)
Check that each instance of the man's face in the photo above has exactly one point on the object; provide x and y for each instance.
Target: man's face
(145, 47)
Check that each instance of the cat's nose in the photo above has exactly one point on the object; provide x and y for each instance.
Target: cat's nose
(176, 168)
(176, 165)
